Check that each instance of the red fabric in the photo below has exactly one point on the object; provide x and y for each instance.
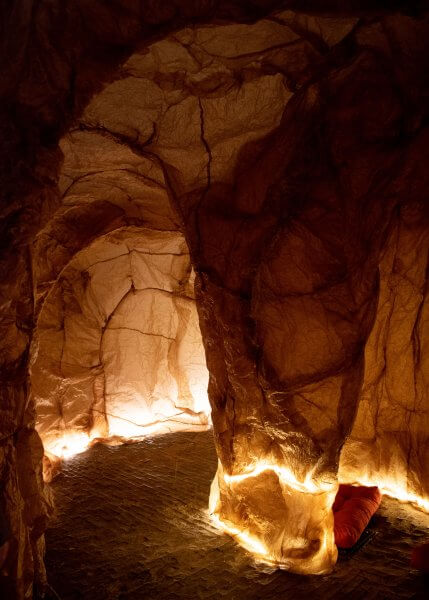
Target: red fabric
(353, 508)
(420, 558)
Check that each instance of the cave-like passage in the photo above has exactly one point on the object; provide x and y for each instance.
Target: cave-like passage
(290, 150)
(308, 287)
(117, 353)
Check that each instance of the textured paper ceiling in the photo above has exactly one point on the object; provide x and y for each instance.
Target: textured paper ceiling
(282, 158)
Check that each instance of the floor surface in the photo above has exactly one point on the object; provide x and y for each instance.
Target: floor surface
(131, 523)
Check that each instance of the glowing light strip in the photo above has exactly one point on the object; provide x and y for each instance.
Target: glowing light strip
(393, 490)
(71, 443)
(285, 475)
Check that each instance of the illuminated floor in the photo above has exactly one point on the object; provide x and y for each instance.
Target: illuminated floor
(132, 525)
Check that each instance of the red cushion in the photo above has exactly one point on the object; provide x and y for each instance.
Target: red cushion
(420, 558)
(353, 508)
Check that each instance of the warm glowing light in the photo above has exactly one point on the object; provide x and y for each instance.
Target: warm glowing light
(249, 542)
(390, 487)
(387, 486)
(320, 562)
(257, 548)
(315, 564)
(68, 445)
(285, 475)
